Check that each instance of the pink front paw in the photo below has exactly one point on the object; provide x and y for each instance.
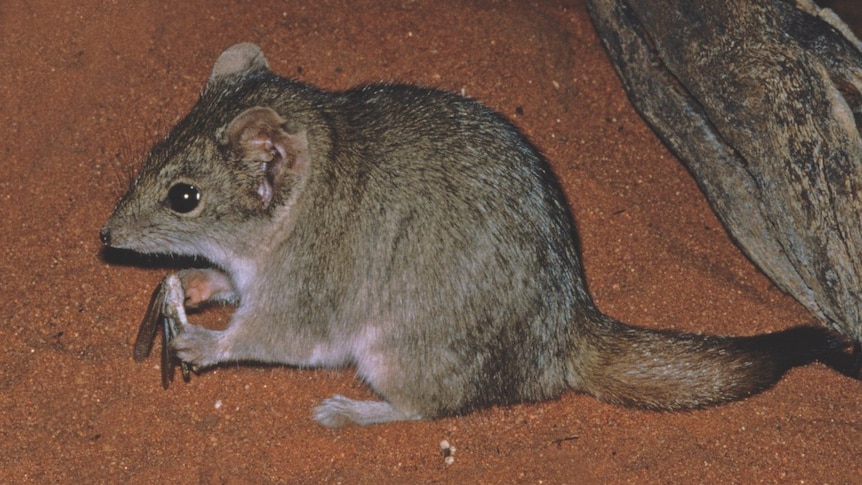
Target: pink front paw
(204, 285)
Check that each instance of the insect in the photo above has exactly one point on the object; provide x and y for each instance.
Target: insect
(166, 311)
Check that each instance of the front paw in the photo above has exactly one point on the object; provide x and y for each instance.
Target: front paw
(202, 286)
(196, 346)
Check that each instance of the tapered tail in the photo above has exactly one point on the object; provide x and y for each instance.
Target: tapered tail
(666, 370)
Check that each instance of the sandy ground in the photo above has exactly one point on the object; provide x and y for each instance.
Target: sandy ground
(86, 87)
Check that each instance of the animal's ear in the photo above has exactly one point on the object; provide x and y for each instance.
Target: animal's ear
(238, 59)
(272, 156)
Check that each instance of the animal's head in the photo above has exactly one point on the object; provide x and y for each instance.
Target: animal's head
(237, 160)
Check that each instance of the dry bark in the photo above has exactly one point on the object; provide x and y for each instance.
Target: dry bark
(761, 100)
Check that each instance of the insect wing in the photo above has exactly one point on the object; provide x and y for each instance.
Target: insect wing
(150, 324)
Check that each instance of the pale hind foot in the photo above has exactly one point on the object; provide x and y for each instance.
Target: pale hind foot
(339, 410)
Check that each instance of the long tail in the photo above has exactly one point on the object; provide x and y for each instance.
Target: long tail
(666, 370)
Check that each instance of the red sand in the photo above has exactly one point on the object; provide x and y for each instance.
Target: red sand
(86, 86)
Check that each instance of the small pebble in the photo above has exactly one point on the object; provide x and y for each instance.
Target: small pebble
(448, 452)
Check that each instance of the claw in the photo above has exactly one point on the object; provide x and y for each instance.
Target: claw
(166, 311)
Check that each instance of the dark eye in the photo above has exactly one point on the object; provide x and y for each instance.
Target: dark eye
(184, 198)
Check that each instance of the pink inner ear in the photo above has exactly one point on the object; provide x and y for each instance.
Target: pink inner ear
(261, 147)
(293, 149)
(288, 156)
(265, 187)
(270, 153)
(253, 131)
(280, 149)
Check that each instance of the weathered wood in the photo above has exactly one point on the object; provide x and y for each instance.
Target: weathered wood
(761, 100)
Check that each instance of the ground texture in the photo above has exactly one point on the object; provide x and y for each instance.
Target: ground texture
(87, 86)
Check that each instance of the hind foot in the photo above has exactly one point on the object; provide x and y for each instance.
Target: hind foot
(339, 410)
